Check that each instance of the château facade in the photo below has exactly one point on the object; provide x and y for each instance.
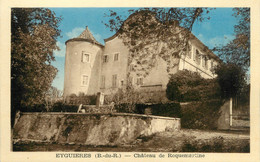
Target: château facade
(91, 67)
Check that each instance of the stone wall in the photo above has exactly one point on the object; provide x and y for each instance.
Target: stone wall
(90, 129)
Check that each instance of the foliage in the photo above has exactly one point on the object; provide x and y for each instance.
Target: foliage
(51, 96)
(34, 108)
(124, 100)
(34, 32)
(161, 109)
(231, 79)
(173, 92)
(63, 107)
(188, 86)
(204, 96)
(201, 115)
(81, 99)
(150, 33)
(238, 50)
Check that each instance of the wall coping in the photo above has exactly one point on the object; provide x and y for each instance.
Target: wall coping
(89, 114)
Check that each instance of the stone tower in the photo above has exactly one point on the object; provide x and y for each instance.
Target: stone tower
(82, 64)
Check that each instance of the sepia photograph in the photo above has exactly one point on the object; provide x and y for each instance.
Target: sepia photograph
(130, 80)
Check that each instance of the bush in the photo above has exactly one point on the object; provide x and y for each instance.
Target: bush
(186, 86)
(62, 107)
(201, 115)
(167, 109)
(173, 92)
(34, 108)
(81, 99)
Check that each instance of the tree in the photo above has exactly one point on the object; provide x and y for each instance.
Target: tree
(231, 79)
(150, 33)
(51, 96)
(34, 34)
(238, 50)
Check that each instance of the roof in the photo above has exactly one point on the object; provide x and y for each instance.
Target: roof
(128, 19)
(87, 36)
(192, 36)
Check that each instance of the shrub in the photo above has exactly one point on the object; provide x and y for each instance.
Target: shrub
(201, 115)
(167, 109)
(173, 92)
(34, 108)
(81, 99)
(186, 86)
(124, 100)
(62, 107)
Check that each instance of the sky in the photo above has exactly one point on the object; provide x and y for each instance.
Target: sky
(219, 29)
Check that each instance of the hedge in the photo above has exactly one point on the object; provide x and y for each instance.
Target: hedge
(201, 115)
(167, 109)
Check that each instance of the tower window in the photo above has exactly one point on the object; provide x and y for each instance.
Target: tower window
(84, 81)
(114, 80)
(116, 55)
(103, 79)
(85, 57)
(105, 58)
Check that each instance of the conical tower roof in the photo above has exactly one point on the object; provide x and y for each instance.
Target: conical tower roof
(86, 34)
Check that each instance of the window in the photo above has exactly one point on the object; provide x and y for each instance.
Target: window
(189, 51)
(103, 81)
(85, 57)
(139, 81)
(114, 80)
(198, 57)
(206, 62)
(203, 61)
(116, 55)
(194, 54)
(84, 81)
(105, 58)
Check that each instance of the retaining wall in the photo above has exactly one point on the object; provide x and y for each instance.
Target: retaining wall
(90, 129)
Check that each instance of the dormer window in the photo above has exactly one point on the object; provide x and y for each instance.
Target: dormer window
(85, 57)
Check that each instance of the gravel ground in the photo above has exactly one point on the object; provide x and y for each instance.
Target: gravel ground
(185, 140)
